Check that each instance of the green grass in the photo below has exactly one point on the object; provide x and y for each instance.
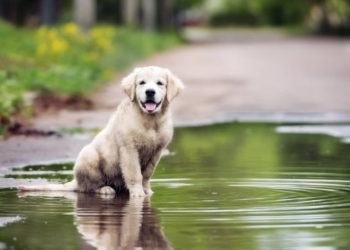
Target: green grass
(64, 61)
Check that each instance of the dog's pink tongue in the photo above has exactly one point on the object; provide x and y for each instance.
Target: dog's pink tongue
(150, 106)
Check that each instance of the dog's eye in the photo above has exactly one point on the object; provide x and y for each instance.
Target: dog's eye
(142, 82)
(160, 83)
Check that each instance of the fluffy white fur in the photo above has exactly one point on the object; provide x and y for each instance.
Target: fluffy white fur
(123, 156)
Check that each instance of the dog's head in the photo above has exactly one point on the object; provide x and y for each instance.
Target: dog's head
(151, 87)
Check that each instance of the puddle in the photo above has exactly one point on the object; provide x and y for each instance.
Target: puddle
(241, 186)
(340, 131)
(6, 220)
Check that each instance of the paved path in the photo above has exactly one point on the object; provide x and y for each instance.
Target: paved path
(279, 74)
(236, 74)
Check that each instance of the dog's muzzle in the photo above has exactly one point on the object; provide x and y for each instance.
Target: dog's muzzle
(150, 105)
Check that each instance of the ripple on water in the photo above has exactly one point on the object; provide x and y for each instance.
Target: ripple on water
(305, 202)
(274, 203)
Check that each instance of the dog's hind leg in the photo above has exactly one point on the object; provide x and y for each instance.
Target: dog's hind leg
(69, 186)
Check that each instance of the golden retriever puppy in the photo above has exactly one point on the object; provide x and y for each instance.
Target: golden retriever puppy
(123, 156)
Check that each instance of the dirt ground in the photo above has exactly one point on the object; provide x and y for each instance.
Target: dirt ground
(225, 78)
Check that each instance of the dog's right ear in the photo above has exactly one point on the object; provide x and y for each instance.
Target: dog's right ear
(128, 85)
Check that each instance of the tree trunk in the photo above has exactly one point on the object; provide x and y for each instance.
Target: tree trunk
(47, 11)
(129, 12)
(165, 18)
(85, 13)
(2, 9)
(324, 22)
(149, 15)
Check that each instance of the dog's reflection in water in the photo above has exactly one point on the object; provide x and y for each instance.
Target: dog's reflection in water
(118, 223)
(113, 223)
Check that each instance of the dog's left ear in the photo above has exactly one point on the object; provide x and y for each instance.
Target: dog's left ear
(128, 85)
(175, 86)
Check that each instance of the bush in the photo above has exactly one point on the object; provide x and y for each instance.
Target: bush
(235, 12)
(322, 16)
(10, 96)
(261, 12)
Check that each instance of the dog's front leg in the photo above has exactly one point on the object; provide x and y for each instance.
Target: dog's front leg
(131, 170)
(148, 172)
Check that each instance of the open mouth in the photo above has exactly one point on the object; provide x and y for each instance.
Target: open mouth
(150, 106)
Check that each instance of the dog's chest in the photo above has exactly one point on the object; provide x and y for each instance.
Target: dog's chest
(149, 141)
(149, 144)
(153, 137)
(146, 152)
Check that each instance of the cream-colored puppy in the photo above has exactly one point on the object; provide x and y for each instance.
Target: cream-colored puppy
(124, 154)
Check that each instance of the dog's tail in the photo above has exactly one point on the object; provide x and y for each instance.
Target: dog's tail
(69, 186)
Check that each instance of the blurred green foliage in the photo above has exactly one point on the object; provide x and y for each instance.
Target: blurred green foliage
(64, 61)
(324, 16)
(10, 97)
(265, 12)
(186, 4)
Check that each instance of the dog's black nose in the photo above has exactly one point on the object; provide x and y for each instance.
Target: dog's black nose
(150, 92)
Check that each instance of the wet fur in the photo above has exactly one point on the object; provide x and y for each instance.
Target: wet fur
(123, 156)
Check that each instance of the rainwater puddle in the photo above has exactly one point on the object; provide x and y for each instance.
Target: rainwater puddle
(227, 186)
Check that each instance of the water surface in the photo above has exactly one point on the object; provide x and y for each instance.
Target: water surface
(227, 186)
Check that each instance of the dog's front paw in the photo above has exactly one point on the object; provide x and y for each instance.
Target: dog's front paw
(147, 188)
(106, 190)
(148, 191)
(137, 192)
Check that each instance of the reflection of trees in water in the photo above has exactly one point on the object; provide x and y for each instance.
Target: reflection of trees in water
(245, 149)
(304, 151)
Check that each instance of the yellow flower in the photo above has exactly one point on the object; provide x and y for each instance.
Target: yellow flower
(54, 42)
(102, 37)
(106, 31)
(41, 33)
(52, 34)
(71, 29)
(59, 46)
(103, 43)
